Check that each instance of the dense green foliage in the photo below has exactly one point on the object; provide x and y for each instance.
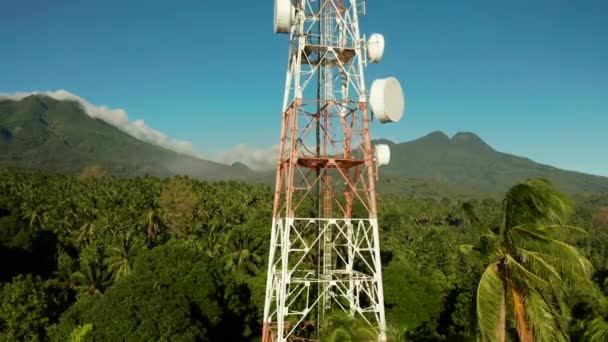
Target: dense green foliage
(103, 259)
(25, 308)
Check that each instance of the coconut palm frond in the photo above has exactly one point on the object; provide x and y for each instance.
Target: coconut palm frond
(597, 331)
(242, 252)
(543, 319)
(535, 201)
(562, 232)
(536, 264)
(491, 310)
(533, 264)
(566, 259)
(468, 249)
(121, 258)
(339, 326)
(522, 275)
(93, 278)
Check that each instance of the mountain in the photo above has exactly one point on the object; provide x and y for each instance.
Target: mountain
(40, 132)
(43, 133)
(467, 164)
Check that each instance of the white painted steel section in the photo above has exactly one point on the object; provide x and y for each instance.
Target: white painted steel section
(270, 271)
(356, 291)
(359, 49)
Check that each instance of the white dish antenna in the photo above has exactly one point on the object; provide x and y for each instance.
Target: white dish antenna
(284, 12)
(387, 100)
(375, 47)
(383, 154)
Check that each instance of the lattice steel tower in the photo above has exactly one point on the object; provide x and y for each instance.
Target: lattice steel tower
(324, 246)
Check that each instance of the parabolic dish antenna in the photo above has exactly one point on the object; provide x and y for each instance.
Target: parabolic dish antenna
(383, 154)
(375, 47)
(283, 15)
(387, 100)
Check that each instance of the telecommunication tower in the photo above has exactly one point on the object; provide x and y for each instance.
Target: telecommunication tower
(324, 246)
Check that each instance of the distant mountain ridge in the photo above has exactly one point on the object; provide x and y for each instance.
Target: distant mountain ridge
(467, 161)
(39, 132)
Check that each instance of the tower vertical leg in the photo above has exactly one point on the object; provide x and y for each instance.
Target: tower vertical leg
(270, 277)
(378, 283)
(349, 269)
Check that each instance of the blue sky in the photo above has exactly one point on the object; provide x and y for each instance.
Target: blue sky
(528, 76)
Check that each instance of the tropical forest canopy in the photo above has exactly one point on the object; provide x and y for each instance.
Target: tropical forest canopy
(98, 258)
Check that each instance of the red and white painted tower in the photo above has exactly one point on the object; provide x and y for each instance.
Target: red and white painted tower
(324, 247)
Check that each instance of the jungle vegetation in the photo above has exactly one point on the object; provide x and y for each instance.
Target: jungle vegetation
(99, 258)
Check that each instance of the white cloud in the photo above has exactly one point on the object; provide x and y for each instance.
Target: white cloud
(256, 158)
(115, 117)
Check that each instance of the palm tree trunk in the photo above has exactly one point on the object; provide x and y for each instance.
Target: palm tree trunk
(501, 327)
(525, 334)
(500, 333)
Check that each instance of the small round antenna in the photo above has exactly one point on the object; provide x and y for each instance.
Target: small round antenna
(375, 47)
(383, 154)
(283, 16)
(387, 100)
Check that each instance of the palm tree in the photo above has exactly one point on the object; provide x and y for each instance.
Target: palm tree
(396, 334)
(121, 258)
(469, 213)
(64, 218)
(94, 278)
(530, 266)
(86, 234)
(33, 214)
(79, 333)
(213, 242)
(242, 252)
(152, 223)
(340, 327)
(63, 278)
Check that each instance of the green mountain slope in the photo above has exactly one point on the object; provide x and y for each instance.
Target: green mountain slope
(42, 133)
(466, 163)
